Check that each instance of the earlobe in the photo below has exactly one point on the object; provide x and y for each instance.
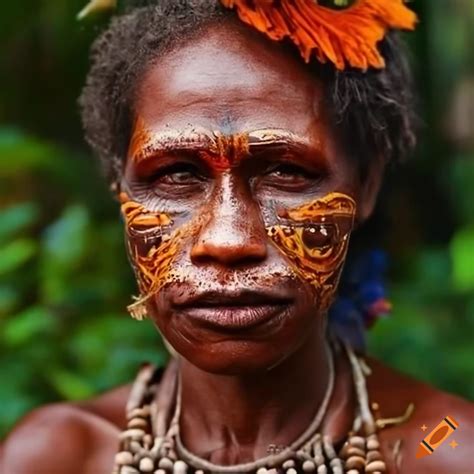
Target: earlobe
(370, 188)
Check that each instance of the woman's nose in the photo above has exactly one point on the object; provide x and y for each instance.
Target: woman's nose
(234, 233)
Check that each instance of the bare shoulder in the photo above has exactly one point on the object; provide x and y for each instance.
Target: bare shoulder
(67, 437)
(394, 392)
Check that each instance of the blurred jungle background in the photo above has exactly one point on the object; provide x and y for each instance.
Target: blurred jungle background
(64, 278)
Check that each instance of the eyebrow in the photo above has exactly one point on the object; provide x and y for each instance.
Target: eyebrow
(146, 145)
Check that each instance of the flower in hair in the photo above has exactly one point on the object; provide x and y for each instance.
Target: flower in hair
(346, 34)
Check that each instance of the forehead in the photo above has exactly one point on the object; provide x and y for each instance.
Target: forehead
(230, 79)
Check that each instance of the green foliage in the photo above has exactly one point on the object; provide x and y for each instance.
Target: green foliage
(64, 281)
(64, 277)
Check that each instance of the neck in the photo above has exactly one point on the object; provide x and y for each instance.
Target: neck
(234, 419)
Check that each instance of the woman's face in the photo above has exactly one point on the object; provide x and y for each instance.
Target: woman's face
(238, 201)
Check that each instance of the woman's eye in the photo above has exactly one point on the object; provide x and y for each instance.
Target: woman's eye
(177, 175)
(288, 175)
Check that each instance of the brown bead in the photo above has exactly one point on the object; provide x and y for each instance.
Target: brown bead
(353, 451)
(123, 458)
(355, 462)
(148, 441)
(139, 413)
(135, 434)
(137, 423)
(374, 456)
(375, 466)
(373, 443)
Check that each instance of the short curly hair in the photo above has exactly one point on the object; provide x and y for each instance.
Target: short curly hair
(372, 111)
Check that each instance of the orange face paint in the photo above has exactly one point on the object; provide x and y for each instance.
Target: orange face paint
(315, 239)
(221, 152)
(152, 248)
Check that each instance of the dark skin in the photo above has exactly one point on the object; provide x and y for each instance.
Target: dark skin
(239, 385)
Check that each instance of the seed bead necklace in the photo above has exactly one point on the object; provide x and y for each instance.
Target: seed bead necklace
(152, 442)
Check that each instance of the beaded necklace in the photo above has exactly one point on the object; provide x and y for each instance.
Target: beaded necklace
(152, 444)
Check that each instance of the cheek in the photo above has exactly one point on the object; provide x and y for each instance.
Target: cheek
(314, 238)
(152, 245)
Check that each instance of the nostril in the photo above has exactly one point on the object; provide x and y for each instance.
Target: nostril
(229, 253)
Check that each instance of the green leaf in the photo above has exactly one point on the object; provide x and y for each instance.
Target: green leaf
(70, 386)
(16, 218)
(9, 297)
(27, 325)
(65, 241)
(19, 152)
(16, 254)
(462, 255)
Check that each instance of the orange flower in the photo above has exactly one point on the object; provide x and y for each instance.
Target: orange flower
(346, 37)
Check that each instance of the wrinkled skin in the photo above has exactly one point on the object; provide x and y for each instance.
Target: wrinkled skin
(244, 386)
(229, 209)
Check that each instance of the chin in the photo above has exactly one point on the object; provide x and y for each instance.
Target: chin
(241, 345)
(238, 354)
(235, 357)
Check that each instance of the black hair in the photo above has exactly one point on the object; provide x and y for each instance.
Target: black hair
(372, 111)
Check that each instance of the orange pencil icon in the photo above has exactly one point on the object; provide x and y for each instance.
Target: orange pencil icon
(437, 437)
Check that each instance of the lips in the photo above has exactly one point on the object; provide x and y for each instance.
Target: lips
(233, 311)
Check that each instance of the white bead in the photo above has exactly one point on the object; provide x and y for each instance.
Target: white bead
(129, 470)
(180, 467)
(376, 466)
(123, 458)
(146, 465)
(166, 464)
(357, 441)
(308, 466)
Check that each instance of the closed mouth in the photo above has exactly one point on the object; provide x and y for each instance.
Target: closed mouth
(235, 311)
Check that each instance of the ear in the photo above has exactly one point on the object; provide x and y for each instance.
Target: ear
(370, 188)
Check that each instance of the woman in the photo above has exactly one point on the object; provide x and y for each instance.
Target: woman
(244, 146)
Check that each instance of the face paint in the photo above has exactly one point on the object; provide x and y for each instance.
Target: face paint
(152, 247)
(220, 152)
(315, 239)
(227, 151)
